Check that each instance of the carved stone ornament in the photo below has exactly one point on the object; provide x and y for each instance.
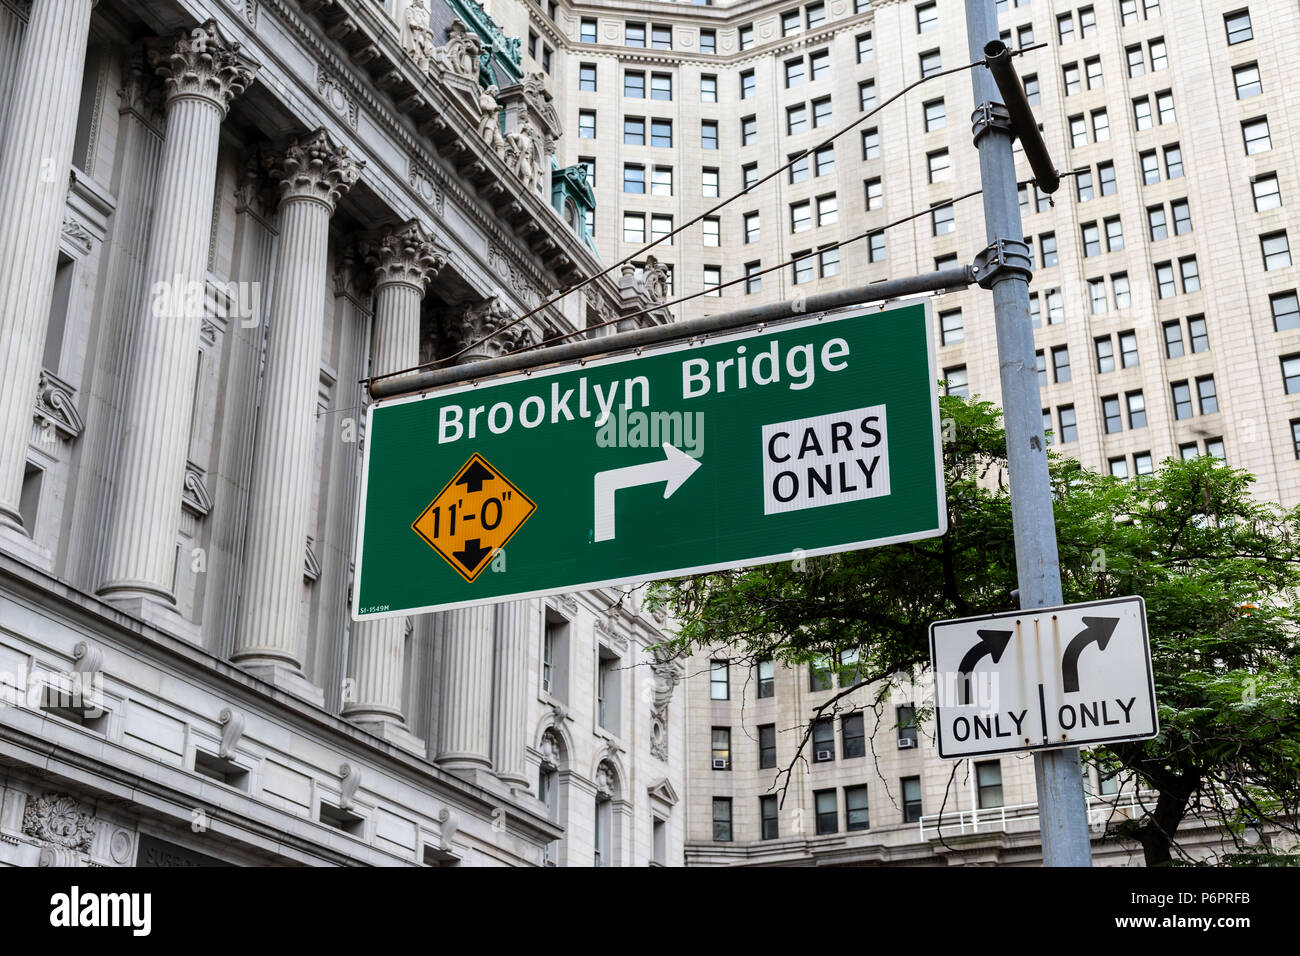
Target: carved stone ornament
(489, 122)
(459, 56)
(482, 319)
(203, 63)
(551, 750)
(311, 564)
(656, 279)
(55, 405)
(419, 40)
(78, 235)
(524, 155)
(87, 658)
(404, 253)
(350, 780)
(314, 167)
(232, 728)
(450, 824)
(59, 820)
(605, 780)
(195, 496)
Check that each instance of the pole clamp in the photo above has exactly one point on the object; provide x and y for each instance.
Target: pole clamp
(1003, 258)
(990, 116)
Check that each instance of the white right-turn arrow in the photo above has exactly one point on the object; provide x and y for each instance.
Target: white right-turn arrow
(675, 468)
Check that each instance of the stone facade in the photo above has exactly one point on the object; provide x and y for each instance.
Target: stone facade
(241, 209)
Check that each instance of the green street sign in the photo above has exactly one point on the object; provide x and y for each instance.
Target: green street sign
(806, 438)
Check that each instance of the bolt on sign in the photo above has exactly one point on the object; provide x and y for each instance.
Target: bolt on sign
(1052, 677)
(810, 437)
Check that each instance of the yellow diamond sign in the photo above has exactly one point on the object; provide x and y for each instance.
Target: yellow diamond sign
(473, 517)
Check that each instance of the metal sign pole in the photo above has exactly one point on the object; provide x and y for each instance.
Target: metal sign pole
(1062, 814)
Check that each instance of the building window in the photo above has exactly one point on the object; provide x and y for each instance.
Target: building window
(1246, 80)
(719, 681)
(1142, 113)
(1165, 287)
(712, 279)
(1047, 249)
(1295, 436)
(1182, 395)
(633, 131)
(931, 63)
(711, 231)
(1276, 249)
(854, 735)
(1061, 364)
(827, 210)
(829, 261)
(634, 227)
(866, 48)
(1069, 424)
(791, 22)
(661, 182)
(1092, 69)
(746, 36)
(586, 125)
(1100, 126)
(1091, 240)
(633, 179)
(821, 112)
(1255, 133)
(753, 281)
(855, 808)
(936, 116)
(1266, 192)
(867, 95)
(816, 13)
(1142, 463)
(587, 77)
(1105, 354)
(634, 34)
(661, 133)
(819, 64)
(587, 32)
(722, 819)
(876, 247)
(748, 130)
(950, 327)
(1205, 391)
(1157, 224)
(956, 380)
(870, 144)
(1118, 467)
(911, 787)
(795, 73)
(823, 740)
(748, 85)
(927, 18)
(709, 134)
(1033, 92)
(767, 812)
(1286, 310)
(661, 37)
(942, 221)
(988, 778)
(661, 86)
(1064, 28)
(803, 267)
(708, 41)
(824, 160)
(766, 746)
(608, 696)
(1137, 409)
(800, 216)
(1110, 413)
(826, 806)
(1238, 27)
(1128, 348)
(721, 748)
(1071, 78)
(709, 182)
(708, 89)
(1174, 338)
(752, 227)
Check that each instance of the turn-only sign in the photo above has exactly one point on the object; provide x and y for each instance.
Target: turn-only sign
(1054, 677)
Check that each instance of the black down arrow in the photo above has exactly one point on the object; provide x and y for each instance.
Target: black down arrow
(1098, 629)
(992, 643)
(472, 555)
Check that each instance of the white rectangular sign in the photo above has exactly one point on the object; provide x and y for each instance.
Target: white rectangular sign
(1052, 677)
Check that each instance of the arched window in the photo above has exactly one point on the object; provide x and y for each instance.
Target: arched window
(571, 214)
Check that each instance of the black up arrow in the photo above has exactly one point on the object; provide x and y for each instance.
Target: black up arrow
(992, 643)
(1098, 629)
(474, 476)
(472, 555)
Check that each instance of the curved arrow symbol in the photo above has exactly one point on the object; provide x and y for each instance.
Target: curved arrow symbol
(1098, 629)
(675, 468)
(992, 643)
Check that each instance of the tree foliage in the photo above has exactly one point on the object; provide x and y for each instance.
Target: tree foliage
(1219, 569)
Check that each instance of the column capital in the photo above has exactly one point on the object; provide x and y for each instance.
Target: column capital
(480, 319)
(405, 254)
(314, 167)
(203, 64)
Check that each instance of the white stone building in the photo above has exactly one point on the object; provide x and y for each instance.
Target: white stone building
(216, 218)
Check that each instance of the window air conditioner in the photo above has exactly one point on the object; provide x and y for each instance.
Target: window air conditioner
(825, 755)
(719, 763)
(906, 743)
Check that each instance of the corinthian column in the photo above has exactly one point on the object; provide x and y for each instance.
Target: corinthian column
(404, 258)
(204, 72)
(313, 173)
(509, 693)
(34, 165)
